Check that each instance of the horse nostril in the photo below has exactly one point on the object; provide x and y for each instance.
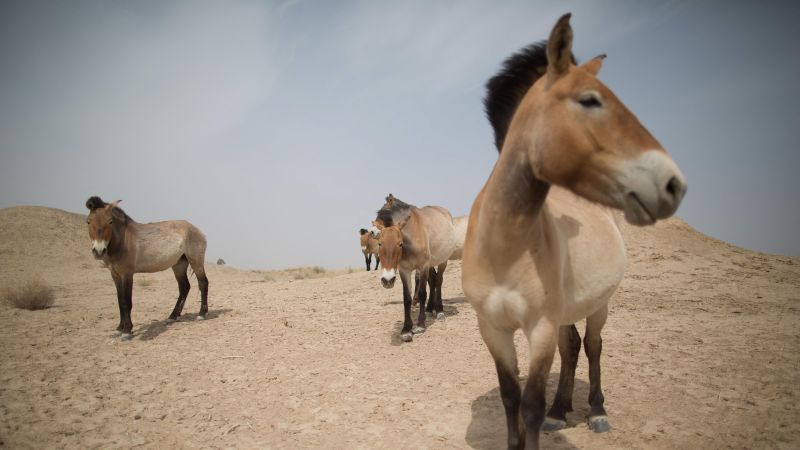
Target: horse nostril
(673, 187)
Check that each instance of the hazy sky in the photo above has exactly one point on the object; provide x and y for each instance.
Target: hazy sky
(279, 127)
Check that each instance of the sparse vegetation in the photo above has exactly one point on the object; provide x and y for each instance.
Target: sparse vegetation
(301, 273)
(32, 295)
(144, 282)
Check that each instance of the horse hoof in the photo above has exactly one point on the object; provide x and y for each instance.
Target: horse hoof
(551, 424)
(127, 336)
(171, 320)
(201, 318)
(440, 316)
(406, 337)
(599, 424)
(418, 330)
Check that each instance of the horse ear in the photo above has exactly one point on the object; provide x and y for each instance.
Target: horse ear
(559, 47)
(378, 224)
(594, 65)
(362, 231)
(113, 204)
(94, 202)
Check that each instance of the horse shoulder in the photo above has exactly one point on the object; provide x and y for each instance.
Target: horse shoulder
(593, 253)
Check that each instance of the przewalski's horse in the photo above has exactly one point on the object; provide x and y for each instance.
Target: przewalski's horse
(128, 247)
(539, 257)
(411, 239)
(369, 247)
(460, 229)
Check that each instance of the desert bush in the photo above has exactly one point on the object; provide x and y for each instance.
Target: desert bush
(144, 282)
(301, 273)
(32, 295)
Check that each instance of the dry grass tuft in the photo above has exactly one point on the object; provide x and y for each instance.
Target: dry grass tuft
(302, 273)
(32, 295)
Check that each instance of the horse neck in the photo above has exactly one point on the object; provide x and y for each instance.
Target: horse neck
(414, 239)
(118, 247)
(513, 200)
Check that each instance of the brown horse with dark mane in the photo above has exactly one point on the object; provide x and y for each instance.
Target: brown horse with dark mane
(542, 249)
(128, 247)
(369, 247)
(410, 239)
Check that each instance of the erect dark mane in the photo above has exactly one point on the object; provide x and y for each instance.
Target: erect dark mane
(362, 231)
(393, 211)
(505, 90)
(96, 202)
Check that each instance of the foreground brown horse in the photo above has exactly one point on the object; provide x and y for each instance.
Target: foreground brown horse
(539, 257)
(128, 247)
(410, 239)
(369, 247)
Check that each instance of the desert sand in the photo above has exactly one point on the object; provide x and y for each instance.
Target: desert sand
(701, 350)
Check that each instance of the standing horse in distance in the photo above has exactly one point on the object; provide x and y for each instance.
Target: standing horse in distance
(369, 247)
(542, 251)
(128, 247)
(410, 239)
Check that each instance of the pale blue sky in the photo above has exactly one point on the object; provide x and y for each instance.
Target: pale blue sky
(279, 127)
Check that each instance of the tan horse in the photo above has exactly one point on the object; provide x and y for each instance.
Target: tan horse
(369, 247)
(411, 239)
(537, 256)
(460, 230)
(128, 247)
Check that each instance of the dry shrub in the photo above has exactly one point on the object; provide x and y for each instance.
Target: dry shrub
(32, 295)
(301, 273)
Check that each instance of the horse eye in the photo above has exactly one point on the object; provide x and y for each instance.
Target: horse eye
(111, 221)
(590, 101)
(401, 245)
(379, 244)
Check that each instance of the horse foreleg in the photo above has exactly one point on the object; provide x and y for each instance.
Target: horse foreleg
(423, 279)
(501, 346)
(368, 260)
(377, 261)
(405, 333)
(127, 323)
(120, 302)
(593, 344)
(542, 339)
(432, 287)
(439, 281)
(569, 347)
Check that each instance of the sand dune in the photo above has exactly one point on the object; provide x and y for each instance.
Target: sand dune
(701, 350)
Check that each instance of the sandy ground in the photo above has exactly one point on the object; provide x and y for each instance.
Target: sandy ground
(701, 350)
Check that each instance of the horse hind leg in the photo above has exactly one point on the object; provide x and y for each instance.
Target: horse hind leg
(202, 281)
(501, 346)
(569, 347)
(432, 287)
(593, 344)
(179, 269)
(438, 299)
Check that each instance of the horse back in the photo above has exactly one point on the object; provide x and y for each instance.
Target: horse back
(439, 233)
(159, 245)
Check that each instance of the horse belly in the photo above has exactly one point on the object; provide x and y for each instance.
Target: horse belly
(595, 264)
(159, 255)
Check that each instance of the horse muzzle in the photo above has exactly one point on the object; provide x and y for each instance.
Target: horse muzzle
(99, 249)
(388, 277)
(654, 188)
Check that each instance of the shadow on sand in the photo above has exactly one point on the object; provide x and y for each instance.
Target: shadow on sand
(487, 430)
(430, 320)
(155, 328)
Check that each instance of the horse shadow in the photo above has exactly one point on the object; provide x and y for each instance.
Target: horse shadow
(487, 429)
(449, 309)
(157, 327)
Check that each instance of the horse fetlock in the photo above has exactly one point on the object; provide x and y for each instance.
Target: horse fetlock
(552, 424)
(599, 424)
